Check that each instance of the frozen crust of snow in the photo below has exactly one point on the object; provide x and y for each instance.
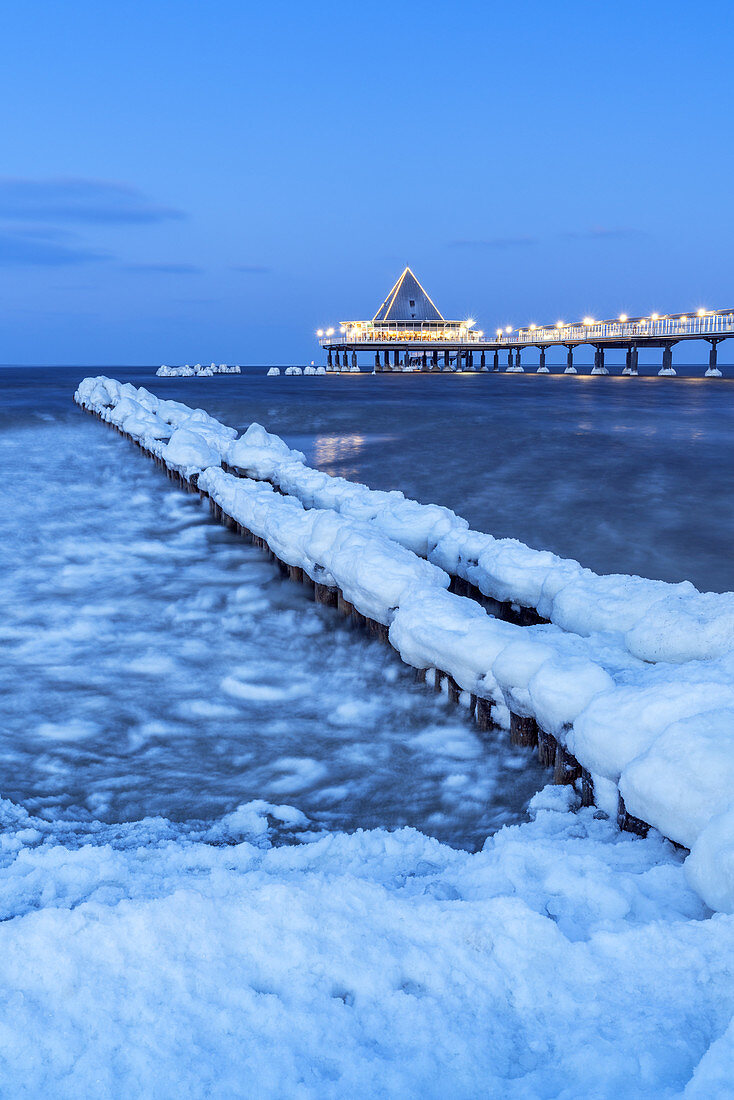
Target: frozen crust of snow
(710, 866)
(168, 960)
(686, 777)
(189, 450)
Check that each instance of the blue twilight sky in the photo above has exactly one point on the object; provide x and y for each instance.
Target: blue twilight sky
(185, 181)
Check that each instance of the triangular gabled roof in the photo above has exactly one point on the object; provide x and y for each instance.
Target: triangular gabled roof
(407, 301)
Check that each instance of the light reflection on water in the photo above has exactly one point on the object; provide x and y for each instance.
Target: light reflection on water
(337, 448)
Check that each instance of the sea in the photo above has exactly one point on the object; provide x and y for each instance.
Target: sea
(155, 664)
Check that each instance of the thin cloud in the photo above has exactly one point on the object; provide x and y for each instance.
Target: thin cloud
(600, 232)
(84, 201)
(44, 248)
(495, 242)
(165, 269)
(251, 269)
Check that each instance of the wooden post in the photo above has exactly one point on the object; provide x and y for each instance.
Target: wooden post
(343, 605)
(454, 689)
(566, 767)
(546, 749)
(484, 713)
(587, 788)
(523, 730)
(628, 823)
(325, 595)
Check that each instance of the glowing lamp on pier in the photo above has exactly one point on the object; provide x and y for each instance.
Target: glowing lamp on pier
(499, 331)
(509, 328)
(623, 317)
(329, 332)
(701, 313)
(654, 316)
(589, 321)
(559, 324)
(469, 323)
(533, 328)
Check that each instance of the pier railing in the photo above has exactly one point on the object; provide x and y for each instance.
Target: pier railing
(711, 324)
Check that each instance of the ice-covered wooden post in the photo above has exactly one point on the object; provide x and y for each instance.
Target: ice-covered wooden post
(523, 730)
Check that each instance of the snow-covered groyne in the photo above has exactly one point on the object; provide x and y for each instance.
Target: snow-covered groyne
(626, 685)
(197, 371)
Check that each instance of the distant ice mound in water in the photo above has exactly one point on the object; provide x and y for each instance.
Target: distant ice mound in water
(196, 371)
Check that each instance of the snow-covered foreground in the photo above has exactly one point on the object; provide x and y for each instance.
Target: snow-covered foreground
(565, 959)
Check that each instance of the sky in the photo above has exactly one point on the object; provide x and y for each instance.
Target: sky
(193, 181)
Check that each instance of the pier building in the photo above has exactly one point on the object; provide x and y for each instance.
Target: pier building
(409, 333)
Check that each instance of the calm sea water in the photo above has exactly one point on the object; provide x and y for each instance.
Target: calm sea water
(156, 664)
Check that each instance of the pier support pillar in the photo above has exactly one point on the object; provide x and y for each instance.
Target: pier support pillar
(635, 358)
(434, 361)
(446, 359)
(387, 360)
(667, 367)
(329, 361)
(599, 367)
(517, 359)
(424, 362)
(628, 362)
(396, 358)
(377, 361)
(570, 368)
(483, 361)
(541, 365)
(470, 360)
(713, 367)
(345, 361)
(496, 361)
(509, 358)
(354, 358)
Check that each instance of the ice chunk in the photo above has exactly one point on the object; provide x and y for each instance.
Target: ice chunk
(189, 451)
(686, 626)
(685, 778)
(710, 866)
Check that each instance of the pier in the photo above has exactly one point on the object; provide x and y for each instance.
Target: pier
(408, 333)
